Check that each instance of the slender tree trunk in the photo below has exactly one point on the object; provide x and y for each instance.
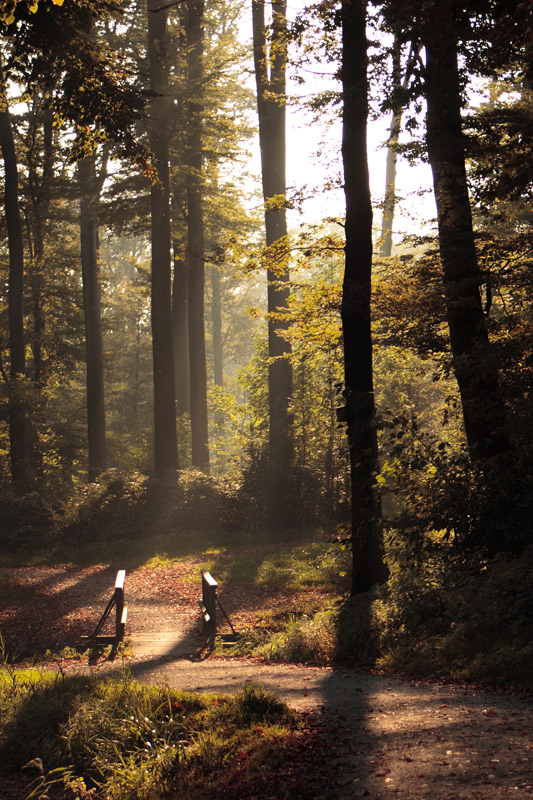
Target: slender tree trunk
(180, 284)
(17, 408)
(389, 202)
(90, 188)
(195, 237)
(180, 334)
(483, 410)
(165, 436)
(368, 567)
(270, 63)
(40, 192)
(216, 315)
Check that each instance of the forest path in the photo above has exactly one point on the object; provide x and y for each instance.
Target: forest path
(390, 737)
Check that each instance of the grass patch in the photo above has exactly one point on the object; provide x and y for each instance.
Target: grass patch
(136, 742)
(293, 567)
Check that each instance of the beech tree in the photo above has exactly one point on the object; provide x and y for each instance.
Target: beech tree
(483, 411)
(90, 186)
(368, 567)
(270, 58)
(165, 437)
(196, 235)
(18, 439)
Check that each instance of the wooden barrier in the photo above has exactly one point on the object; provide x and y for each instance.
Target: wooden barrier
(121, 615)
(208, 606)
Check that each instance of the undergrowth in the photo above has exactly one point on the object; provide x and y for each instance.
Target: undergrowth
(130, 741)
(442, 613)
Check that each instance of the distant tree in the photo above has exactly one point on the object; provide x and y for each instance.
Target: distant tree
(196, 234)
(20, 472)
(368, 567)
(90, 186)
(270, 59)
(165, 437)
(400, 80)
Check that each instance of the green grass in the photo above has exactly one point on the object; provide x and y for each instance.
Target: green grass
(285, 566)
(137, 742)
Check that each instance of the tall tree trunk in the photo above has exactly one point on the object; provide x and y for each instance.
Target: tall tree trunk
(483, 410)
(90, 189)
(270, 64)
(17, 408)
(216, 316)
(389, 202)
(367, 542)
(40, 193)
(180, 282)
(165, 436)
(180, 334)
(195, 236)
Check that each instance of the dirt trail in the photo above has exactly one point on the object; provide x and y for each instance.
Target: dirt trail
(390, 738)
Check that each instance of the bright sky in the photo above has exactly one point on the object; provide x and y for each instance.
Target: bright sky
(305, 168)
(414, 211)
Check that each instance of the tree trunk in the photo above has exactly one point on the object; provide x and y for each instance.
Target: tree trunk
(389, 201)
(483, 410)
(367, 542)
(216, 316)
(195, 237)
(17, 407)
(180, 334)
(90, 189)
(271, 102)
(165, 436)
(40, 192)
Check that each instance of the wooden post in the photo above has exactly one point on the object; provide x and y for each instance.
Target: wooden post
(209, 602)
(120, 609)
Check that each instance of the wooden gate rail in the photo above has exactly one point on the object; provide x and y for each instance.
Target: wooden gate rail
(208, 606)
(121, 615)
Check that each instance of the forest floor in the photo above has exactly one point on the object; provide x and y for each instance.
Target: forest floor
(389, 737)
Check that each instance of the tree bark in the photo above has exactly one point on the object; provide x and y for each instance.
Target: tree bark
(389, 201)
(90, 189)
(18, 439)
(270, 64)
(165, 436)
(367, 542)
(180, 334)
(216, 316)
(195, 237)
(483, 411)
(40, 193)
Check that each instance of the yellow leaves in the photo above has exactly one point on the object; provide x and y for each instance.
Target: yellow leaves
(58, 2)
(8, 12)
